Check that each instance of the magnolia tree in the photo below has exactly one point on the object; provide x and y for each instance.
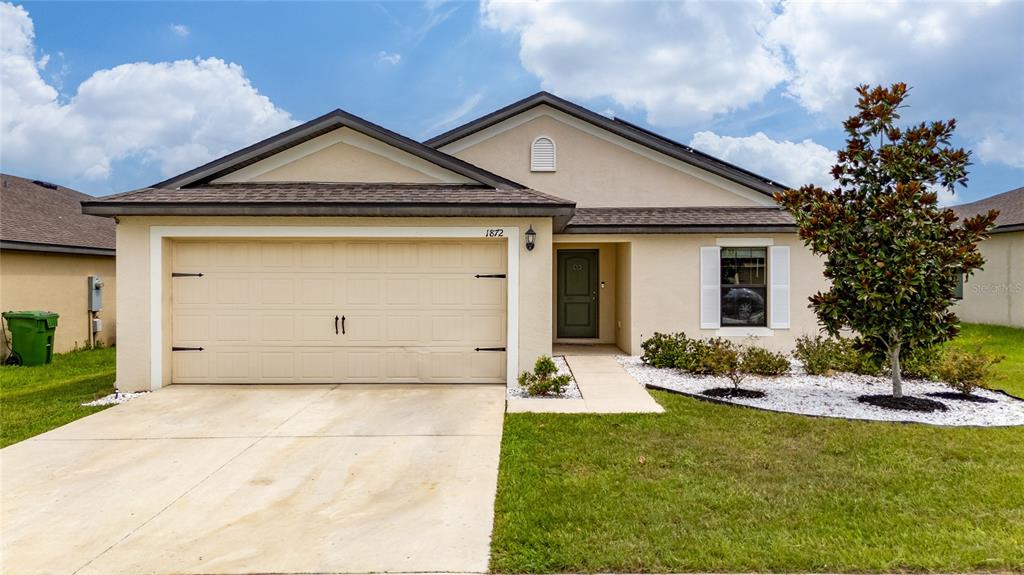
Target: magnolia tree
(892, 255)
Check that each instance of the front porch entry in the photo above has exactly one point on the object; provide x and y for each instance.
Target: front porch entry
(590, 293)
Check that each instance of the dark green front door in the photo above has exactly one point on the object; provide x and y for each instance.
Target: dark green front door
(577, 293)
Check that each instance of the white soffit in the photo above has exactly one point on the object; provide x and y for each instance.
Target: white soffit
(343, 135)
(544, 110)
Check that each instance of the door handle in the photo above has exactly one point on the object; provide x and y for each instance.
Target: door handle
(342, 325)
(335, 325)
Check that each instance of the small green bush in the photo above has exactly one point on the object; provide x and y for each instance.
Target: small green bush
(706, 356)
(760, 361)
(822, 355)
(818, 354)
(663, 349)
(922, 363)
(966, 371)
(543, 380)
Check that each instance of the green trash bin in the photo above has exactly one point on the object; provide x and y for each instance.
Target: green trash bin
(31, 336)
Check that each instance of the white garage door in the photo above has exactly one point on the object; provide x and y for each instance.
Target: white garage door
(348, 311)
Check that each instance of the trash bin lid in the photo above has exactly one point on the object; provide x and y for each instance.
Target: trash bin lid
(30, 315)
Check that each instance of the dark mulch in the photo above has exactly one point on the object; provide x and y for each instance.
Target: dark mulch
(905, 403)
(957, 396)
(733, 392)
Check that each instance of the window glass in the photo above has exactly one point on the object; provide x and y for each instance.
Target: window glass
(744, 286)
(958, 286)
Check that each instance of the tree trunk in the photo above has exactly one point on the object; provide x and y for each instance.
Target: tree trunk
(897, 378)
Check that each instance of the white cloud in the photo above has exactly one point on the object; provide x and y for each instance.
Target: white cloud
(389, 58)
(682, 63)
(963, 60)
(180, 30)
(175, 115)
(685, 63)
(791, 163)
(454, 115)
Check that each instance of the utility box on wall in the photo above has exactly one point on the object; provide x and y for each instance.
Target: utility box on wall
(95, 293)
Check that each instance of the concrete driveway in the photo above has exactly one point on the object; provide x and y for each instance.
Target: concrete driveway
(260, 479)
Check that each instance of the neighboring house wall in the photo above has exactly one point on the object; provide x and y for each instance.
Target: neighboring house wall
(596, 168)
(343, 156)
(995, 294)
(58, 283)
(664, 286)
(133, 269)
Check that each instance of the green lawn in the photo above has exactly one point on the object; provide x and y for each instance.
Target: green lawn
(38, 399)
(1000, 340)
(707, 487)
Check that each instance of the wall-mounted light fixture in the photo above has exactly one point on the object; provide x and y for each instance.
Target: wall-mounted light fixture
(531, 237)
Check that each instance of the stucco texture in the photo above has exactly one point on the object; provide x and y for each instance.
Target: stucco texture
(659, 286)
(58, 283)
(600, 172)
(995, 294)
(133, 268)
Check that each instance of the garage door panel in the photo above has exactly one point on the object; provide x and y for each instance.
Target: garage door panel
(264, 311)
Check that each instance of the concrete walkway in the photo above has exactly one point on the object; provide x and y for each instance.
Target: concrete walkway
(260, 479)
(605, 386)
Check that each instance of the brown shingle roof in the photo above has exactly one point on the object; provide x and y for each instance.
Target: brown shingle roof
(1010, 205)
(334, 193)
(41, 215)
(335, 199)
(678, 220)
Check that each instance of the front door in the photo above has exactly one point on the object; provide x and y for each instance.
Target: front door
(577, 293)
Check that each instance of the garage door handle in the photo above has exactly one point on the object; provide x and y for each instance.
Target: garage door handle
(342, 325)
(335, 325)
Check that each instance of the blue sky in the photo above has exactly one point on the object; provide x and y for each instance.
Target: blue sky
(106, 97)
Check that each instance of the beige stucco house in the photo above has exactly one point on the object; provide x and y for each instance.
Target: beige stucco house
(49, 250)
(339, 251)
(995, 294)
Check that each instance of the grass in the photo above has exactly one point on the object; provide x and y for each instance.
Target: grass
(37, 399)
(999, 340)
(708, 487)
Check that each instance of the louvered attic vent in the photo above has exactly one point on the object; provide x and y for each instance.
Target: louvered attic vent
(542, 155)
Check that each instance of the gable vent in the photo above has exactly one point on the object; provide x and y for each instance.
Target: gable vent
(542, 155)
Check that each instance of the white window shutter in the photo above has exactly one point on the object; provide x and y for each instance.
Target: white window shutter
(542, 155)
(710, 287)
(778, 299)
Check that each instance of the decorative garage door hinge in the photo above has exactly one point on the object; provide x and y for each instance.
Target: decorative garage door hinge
(174, 348)
(489, 349)
(185, 275)
(489, 275)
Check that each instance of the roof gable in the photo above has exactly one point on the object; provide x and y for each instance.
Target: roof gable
(220, 168)
(619, 128)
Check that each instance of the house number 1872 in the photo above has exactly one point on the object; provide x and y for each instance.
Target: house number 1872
(498, 233)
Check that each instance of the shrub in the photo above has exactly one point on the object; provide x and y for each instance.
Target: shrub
(663, 349)
(706, 356)
(760, 361)
(818, 354)
(966, 371)
(822, 355)
(724, 358)
(543, 380)
(922, 362)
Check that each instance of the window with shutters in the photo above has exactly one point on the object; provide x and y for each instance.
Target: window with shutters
(542, 155)
(744, 286)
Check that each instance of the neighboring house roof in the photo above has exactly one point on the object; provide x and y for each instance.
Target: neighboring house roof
(621, 128)
(39, 216)
(318, 127)
(1010, 205)
(680, 220)
(335, 199)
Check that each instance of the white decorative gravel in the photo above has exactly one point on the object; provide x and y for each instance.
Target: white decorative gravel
(836, 396)
(114, 398)
(572, 391)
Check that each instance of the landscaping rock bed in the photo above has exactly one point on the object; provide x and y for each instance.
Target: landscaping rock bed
(836, 396)
(571, 392)
(114, 398)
